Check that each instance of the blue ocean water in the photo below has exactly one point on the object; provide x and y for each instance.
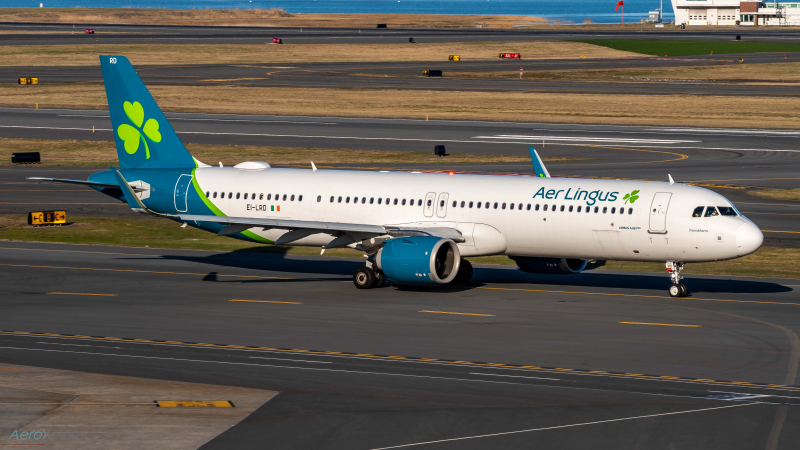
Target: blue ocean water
(599, 11)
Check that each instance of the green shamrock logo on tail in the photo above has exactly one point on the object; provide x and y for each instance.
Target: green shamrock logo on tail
(132, 136)
(632, 197)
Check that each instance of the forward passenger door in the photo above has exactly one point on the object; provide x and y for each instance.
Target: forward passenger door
(658, 212)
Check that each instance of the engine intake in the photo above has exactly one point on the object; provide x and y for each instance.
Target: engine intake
(549, 265)
(419, 260)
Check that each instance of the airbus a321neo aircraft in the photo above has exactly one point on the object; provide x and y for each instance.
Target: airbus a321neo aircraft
(413, 227)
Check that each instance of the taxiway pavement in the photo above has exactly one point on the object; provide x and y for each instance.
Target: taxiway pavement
(600, 359)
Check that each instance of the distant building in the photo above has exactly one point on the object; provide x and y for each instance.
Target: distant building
(729, 12)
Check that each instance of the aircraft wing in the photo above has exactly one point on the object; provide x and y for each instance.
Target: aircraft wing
(297, 229)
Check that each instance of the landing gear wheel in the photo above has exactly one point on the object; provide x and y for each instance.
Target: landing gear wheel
(675, 291)
(684, 289)
(364, 278)
(464, 273)
(380, 280)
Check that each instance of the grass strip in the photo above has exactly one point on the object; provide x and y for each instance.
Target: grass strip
(285, 55)
(161, 233)
(658, 47)
(750, 111)
(777, 194)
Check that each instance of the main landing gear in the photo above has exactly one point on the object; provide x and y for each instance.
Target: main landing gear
(366, 278)
(677, 289)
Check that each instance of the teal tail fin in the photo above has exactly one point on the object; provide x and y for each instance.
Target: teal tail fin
(144, 138)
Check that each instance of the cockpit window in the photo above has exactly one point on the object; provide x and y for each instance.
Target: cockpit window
(711, 211)
(727, 211)
(698, 212)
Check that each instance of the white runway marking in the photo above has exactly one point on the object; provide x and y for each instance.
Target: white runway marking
(584, 139)
(513, 376)
(564, 426)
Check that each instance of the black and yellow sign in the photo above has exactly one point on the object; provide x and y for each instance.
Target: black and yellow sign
(47, 218)
(194, 404)
(28, 81)
(455, 58)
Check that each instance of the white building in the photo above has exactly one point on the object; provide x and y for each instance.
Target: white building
(728, 12)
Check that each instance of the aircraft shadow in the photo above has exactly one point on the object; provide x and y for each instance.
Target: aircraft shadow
(276, 260)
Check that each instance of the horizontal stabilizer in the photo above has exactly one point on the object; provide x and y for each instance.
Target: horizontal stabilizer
(81, 182)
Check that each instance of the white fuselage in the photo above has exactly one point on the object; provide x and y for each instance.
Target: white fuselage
(526, 216)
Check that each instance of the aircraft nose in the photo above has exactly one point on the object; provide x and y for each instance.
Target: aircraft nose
(748, 238)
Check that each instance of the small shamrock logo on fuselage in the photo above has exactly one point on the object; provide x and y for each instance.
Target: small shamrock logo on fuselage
(632, 197)
(133, 136)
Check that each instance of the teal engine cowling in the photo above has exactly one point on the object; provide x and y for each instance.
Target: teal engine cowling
(419, 260)
(549, 265)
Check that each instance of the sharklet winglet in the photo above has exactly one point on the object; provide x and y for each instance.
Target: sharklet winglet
(538, 165)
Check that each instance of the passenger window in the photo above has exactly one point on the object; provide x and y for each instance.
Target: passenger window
(579, 209)
(495, 205)
(554, 208)
(245, 195)
(403, 202)
(253, 196)
(470, 205)
(340, 199)
(545, 207)
(562, 208)
(284, 197)
(230, 195)
(269, 196)
(380, 200)
(411, 202)
(529, 206)
(698, 212)
(463, 203)
(429, 202)
(347, 200)
(215, 194)
(479, 205)
(512, 206)
(395, 202)
(486, 205)
(292, 198)
(520, 207)
(261, 197)
(630, 211)
(537, 207)
(711, 211)
(613, 210)
(419, 201)
(331, 199)
(363, 199)
(454, 203)
(319, 198)
(596, 208)
(605, 209)
(570, 208)
(441, 204)
(208, 194)
(388, 200)
(727, 211)
(371, 200)
(300, 199)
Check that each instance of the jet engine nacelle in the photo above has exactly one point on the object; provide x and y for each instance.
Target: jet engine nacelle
(549, 265)
(419, 260)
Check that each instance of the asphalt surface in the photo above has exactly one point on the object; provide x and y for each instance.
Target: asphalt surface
(347, 362)
(166, 34)
(458, 76)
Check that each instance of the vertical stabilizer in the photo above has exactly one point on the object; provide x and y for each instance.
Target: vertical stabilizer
(143, 136)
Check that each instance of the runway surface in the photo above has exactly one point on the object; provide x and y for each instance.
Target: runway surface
(729, 161)
(570, 357)
(458, 76)
(165, 34)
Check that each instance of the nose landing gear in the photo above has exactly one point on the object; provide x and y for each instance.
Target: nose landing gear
(677, 289)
